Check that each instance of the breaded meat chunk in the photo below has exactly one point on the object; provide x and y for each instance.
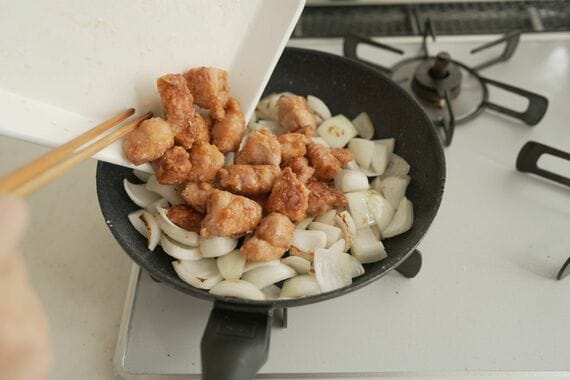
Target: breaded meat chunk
(197, 194)
(289, 196)
(148, 141)
(206, 160)
(295, 115)
(210, 89)
(185, 217)
(323, 197)
(176, 101)
(228, 132)
(271, 239)
(292, 145)
(230, 215)
(344, 156)
(197, 129)
(325, 160)
(174, 166)
(248, 179)
(299, 166)
(261, 148)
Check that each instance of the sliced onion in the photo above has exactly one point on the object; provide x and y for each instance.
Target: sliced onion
(367, 248)
(305, 242)
(301, 265)
(238, 289)
(273, 126)
(300, 286)
(181, 235)
(338, 247)
(397, 167)
(146, 224)
(345, 222)
(356, 268)
(349, 181)
(358, 207)
(320, 141)
(231, 265)
(269, 274)
(332, 269)
(137, 222)
(337, 131)
(376, 232)
(256, 264)
(402, 221)
(380, 158)
(352, 165)
(319, 107)
(364, 125)
(169, 192)
(333, 233)
(390, 143)
(362, 150)
(303, 224)
(154, 206)
(142, 175)
(217, 246)
(267, 107)
(327, 217)
(229, 159)
(271, 292)
(139, 194)
(381, 209)
(394, 188)
(202, 274)
(179, 251)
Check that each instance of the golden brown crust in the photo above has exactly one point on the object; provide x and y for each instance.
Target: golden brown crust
(196, 130)
(210, 89)
(176, 100)
(206, 160)
(255, 249)
(271, 240)
(295, 115)
(344, 156)
(174, 166)
(261, 148)
(324, 161)
(228, 132)
(292, 145)
(248, 179)
(185, 217)
(289, 196)
(230, 215)
(323, 197)
(300, 166)
(148, 141)
(197, 194)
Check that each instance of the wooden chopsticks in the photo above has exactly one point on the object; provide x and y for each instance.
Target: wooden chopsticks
(57, 162)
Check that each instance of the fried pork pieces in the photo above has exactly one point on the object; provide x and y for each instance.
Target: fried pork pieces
(275, 181)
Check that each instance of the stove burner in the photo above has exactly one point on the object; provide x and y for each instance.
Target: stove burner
(449, 91)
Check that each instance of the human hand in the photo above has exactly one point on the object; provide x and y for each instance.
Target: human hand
(25, 352)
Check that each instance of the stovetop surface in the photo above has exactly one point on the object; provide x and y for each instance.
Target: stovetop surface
(485, 299)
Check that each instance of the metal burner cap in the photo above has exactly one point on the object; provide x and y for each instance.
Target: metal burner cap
(436, 76)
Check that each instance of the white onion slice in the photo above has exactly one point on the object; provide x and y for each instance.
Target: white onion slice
(267, 107)
(231, 265)
(362, 150)
(333, 233)
(320, 141)
(338, 247)
(337, 131)
(269, 274)
(364, 125)
(319, 107)
(345, 222)
(271, 292)
(202, 274)
(390, 143)
(349, 181)
(154, 206)
(358, 207)
(229, 159)
(273, 126)
(169, 192)
(238, 289)
(402, 221)
(139, 194)
(249, 265)
(381, 209)
(147, 226)
(332, 269)
(305, 242)
(303, 224)
(142, 175)
(352, 165)
(217, 246)
(301, 265)
(327, 217)
(179, 251)
(376, 232)
(300, 286)
(397, 167)
(394, 188)
(367, 248)
(137, 222)
(356, 268)
(181, 235)
(380, 158)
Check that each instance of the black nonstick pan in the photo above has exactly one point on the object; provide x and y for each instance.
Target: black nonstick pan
(236, 340)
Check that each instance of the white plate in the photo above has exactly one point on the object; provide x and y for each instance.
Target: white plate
(67, 65)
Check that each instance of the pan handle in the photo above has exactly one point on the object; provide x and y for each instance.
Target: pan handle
(235, 343)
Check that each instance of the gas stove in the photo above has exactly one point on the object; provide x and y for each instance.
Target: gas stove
(485, 301)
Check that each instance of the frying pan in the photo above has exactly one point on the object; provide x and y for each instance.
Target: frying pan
(235, 343)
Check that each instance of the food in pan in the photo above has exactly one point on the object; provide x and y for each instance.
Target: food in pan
(297, 197)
